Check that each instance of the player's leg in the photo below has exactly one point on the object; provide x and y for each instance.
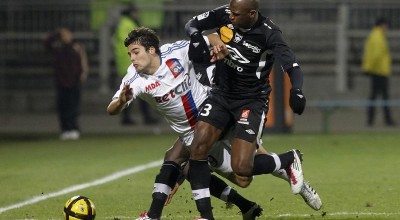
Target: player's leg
(243, 157)
(224, 192)
(219, 159)
(199, 172)
(267, 163)
(212, 120)
(167, 177)
(249, 116)
(307, 192)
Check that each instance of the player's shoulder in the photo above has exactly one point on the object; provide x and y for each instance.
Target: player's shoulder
(223, 11)
(269, 24)
(220, 12)
(131, 76)
(174, 48)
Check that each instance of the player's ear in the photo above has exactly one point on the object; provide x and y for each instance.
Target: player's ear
(253, 13)
(152, 50)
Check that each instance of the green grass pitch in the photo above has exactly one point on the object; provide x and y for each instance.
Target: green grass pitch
(356, 176)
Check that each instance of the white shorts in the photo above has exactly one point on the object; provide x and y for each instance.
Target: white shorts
(187, 138)
(219, 158)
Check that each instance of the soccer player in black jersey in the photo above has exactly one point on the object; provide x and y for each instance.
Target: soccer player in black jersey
(240, 94)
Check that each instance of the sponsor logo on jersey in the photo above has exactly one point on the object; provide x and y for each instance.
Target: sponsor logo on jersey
(175, 67)
(227, 11)
(202, 16)
(152, 86)
(236, 55)
(255, 49)
(233, 65)
(198, 76)
(237, 38)
(226, 34)
(250, 131)
(179, 90)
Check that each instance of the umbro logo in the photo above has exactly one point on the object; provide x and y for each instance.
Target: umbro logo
(196, 44)
(249, 131)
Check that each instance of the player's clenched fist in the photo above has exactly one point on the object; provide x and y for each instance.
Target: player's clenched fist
(126, 94)
(297, 101)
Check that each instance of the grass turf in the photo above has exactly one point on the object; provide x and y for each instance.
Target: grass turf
(355, 175)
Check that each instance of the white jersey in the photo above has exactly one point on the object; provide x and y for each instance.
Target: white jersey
(172, 90)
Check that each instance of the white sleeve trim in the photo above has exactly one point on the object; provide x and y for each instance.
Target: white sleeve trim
(207, 41)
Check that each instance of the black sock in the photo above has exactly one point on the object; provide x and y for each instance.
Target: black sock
(221, 190)
(200, 177)
(263, 164)
(217, 186)
(168, 176)
(242, 203)
(286, 159)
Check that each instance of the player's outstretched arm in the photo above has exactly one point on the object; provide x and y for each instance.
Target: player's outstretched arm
(117, 105)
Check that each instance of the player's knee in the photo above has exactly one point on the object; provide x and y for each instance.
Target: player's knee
(243, 169)
(244, 182)
(199, 152)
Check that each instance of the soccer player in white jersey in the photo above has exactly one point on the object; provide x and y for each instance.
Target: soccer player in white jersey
(164, 77)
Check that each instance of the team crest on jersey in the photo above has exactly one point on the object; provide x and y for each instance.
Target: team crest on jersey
(226, 34)
(244, 117)
(175, 67)
(237, 38)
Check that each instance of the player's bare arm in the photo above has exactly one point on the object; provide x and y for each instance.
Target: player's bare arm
(219, 49)
(117, 105)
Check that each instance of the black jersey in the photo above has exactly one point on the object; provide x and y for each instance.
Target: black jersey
(244, 72)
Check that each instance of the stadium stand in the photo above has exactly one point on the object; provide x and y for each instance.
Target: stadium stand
(311, 28)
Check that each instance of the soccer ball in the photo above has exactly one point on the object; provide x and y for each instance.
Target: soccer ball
(79, 207)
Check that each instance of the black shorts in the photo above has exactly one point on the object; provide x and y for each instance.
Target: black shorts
(247, 116)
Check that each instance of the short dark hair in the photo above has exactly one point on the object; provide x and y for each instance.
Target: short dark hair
(145, 37)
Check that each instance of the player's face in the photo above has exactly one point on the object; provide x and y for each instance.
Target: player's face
(140, 58)
(241, 16)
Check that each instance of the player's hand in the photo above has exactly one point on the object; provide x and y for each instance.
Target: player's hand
(126, 94)
(198, 49)
(297, 101)
(218, 52)
(171, 194)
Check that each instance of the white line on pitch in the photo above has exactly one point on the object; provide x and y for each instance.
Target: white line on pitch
(74, 188)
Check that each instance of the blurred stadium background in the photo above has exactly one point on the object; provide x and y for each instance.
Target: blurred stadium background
(327, 37)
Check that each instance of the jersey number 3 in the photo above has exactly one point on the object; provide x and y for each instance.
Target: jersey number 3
(206, 110)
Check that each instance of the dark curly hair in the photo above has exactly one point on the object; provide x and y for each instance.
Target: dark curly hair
(145, 37)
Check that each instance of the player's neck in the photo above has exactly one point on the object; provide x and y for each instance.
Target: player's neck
(154, 65)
